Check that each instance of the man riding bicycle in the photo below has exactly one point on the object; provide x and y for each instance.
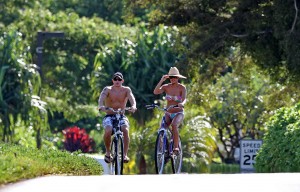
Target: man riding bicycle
(116, 96)
(175, 95)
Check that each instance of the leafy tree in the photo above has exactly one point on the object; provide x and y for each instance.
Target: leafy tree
(239, 102)
(108, 10)
(20, 83)
(68, 62)
(112, 11)
(266, 30)
(12, 10)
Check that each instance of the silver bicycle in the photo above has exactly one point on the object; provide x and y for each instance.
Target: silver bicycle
(117, 142)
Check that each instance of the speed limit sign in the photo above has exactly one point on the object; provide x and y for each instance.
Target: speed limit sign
(249, 149)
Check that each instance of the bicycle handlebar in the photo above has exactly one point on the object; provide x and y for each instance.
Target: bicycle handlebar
(120, 111)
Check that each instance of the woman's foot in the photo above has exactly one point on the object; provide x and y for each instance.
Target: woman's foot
(176, 151)
(126, 159)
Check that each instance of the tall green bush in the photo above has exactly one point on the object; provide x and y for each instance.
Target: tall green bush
(280, 151)
(19, 83)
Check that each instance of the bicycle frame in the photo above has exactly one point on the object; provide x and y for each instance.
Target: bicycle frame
(167, 134)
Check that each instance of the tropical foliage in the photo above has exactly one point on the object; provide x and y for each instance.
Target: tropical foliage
(221, 46)
(238, 102)
(266, 30)
(280, 150)
(20, 84)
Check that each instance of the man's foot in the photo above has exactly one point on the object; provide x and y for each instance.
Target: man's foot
(176, 151)
(108, 158)
(126, 159)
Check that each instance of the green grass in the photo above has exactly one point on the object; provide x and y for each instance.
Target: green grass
(18, 163)
(224, 168)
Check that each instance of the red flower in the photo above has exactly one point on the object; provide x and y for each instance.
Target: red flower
(77, 139)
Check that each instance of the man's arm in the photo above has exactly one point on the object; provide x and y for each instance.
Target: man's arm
(132, 100)
(102, 97)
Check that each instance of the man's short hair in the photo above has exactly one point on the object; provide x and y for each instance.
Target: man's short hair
(118, 74)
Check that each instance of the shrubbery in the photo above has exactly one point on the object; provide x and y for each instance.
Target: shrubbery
(280, 151)
(19, 162)
(77, 139)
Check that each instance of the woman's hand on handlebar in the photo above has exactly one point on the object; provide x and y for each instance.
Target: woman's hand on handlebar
(180, 105)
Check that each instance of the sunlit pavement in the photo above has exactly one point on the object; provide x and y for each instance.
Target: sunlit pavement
(276, 182)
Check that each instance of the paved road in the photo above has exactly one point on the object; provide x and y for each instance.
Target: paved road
(276, 182)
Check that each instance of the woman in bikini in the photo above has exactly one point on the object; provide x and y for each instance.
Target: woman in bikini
(175, 95)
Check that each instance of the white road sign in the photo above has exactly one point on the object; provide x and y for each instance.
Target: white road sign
(249, 149)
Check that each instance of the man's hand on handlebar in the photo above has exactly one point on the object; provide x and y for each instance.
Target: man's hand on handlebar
(102, 108)
(132, 109)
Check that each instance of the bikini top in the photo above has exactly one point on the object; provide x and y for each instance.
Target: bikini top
(174, 98)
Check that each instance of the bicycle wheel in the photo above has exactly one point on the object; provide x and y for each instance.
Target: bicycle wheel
(177, 159)
(160, 152)
(118, 154)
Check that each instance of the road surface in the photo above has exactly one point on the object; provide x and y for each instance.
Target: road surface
(250, 182)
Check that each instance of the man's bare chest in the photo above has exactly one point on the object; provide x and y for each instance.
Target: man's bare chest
(117, 95)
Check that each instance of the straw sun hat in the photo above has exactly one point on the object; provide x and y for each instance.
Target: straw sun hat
(174, 72)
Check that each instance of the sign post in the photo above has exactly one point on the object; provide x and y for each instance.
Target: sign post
(249, 149)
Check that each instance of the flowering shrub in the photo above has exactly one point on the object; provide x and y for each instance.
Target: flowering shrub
(77, 139)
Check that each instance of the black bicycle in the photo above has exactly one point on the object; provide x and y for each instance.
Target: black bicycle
(164, 145)
(117, 143)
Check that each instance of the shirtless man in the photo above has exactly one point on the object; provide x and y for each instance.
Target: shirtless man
(116, 96)
(175, 95)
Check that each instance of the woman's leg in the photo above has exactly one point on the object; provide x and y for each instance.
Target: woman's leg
(175, 124)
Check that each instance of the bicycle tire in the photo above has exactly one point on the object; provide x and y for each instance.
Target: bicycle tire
(177, 159)
(112, 151)
(160, 149)
(119, 157)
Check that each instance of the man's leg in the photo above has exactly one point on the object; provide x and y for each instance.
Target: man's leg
(107, 139)
(125, 131)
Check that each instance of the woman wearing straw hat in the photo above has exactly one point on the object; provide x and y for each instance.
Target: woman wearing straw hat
(175, 95)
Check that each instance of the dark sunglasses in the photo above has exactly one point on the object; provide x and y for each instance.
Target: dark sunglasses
(117, 79)
(173, 77)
